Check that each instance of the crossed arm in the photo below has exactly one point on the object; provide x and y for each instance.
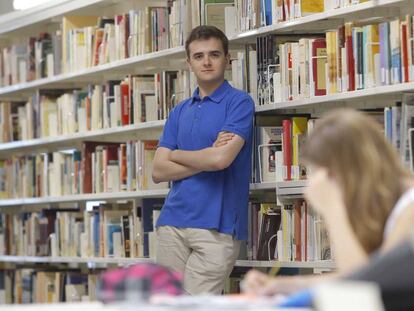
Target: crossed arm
(170, 165)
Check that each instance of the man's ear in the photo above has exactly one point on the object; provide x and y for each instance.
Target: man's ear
(228, 59)
(187, 60)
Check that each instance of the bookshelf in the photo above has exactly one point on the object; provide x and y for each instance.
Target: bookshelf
(113, 196)
(290, 188)
(51, 12)
(141, 64)
(323, 264)
(49, 16)
(71, 140)
(148, 62)
(125, 195)
(381, 94)
(326, 20)
(120, 262)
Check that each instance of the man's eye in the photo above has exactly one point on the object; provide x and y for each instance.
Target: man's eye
(197, 57)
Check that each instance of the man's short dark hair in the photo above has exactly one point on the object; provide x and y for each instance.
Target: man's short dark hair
(205, 32)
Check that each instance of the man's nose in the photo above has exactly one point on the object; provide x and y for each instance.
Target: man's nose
(206, 60)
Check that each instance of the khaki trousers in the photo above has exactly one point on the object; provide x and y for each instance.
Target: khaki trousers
(205, 257)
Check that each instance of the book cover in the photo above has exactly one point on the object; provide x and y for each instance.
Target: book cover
(269, 226)
(384, 32)
(319, 60)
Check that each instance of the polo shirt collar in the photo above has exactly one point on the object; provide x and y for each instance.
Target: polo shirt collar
(217, 95)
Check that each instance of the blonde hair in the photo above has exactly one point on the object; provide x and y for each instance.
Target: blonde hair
(352, 147)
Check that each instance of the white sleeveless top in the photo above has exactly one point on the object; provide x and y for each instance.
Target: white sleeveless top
(402, 204)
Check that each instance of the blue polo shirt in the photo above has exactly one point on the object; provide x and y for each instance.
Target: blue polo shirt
(210, 200)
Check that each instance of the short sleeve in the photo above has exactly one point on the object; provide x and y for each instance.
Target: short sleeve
(240, 117)
(168, 137)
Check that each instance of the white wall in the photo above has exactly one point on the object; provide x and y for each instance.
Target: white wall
(6, 6)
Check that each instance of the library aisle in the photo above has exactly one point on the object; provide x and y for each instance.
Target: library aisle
(86, 88)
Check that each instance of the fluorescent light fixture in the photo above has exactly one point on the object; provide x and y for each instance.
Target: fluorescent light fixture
(27, 4)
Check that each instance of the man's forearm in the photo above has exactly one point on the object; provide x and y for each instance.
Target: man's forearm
(171, 171)
(204, 160)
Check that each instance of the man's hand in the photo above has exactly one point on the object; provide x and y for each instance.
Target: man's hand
(222, 139)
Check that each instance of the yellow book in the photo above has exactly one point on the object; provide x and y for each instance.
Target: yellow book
(299, 130)
(373, 50)
(311, 6)
(331, 49)
(69, 23)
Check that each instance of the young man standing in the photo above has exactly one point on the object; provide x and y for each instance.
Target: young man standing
(205, 150)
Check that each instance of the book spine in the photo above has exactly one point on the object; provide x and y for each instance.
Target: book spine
(287, 149)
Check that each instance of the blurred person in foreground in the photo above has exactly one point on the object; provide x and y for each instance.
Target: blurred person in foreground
(359, 186)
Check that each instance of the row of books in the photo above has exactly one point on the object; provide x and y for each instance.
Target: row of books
(119, 230)
(34, 58)
(23, 286)
(98, 167)
(133, 100)
(91, 40)
(398, 127)
(291, 232)
(112, 167)
(302, 236)
(354, 57)
(87, 41)
(278, 142)
(126, 230)
(252, 14)
(98, 232)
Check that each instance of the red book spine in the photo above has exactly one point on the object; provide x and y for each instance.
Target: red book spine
(126, 38)
(404, 45)
(87, 168)
(287, 149)
(319, 58)
(305, 216)
(350, 63)
(124, 103)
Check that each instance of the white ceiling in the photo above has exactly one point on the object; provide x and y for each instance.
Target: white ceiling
(6, 6)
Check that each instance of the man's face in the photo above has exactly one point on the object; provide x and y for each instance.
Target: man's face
(207, 60)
